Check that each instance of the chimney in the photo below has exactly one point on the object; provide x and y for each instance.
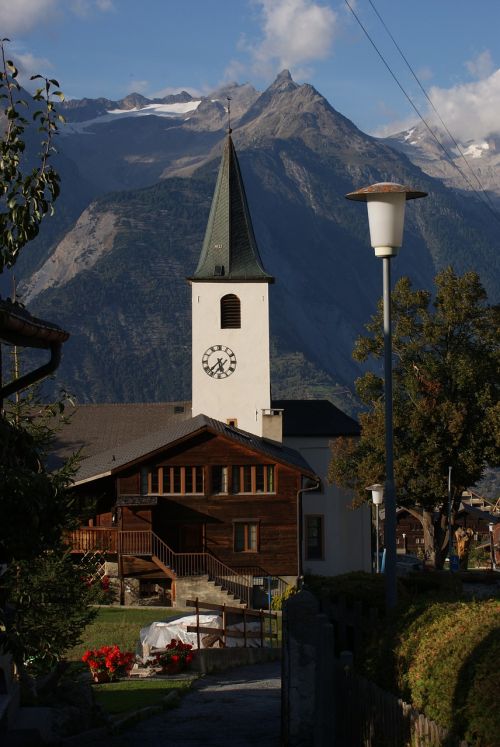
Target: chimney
(272, 424)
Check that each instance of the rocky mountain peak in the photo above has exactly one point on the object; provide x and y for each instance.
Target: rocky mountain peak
(283, 83)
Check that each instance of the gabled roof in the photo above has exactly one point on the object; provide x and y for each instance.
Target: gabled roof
(108, 462)
(95, 428)
(314, 417)
(230, 250)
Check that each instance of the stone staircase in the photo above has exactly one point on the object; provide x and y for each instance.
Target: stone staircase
(202, 588)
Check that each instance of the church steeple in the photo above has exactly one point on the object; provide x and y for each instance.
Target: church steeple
(230, 250)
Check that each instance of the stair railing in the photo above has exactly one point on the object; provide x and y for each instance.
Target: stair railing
(240, 585)
(129, 542)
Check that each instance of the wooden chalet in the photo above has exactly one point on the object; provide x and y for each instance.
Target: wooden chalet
(195, 498)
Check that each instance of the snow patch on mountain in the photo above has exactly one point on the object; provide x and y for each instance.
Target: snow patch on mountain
(476, 150)
(176, 110)
(160, 110)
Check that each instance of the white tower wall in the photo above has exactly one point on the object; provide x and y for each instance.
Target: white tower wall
(243, 394)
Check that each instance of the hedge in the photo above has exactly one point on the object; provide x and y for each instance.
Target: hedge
(444, 660)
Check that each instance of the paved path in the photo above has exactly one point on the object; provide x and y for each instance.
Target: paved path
(239, 708)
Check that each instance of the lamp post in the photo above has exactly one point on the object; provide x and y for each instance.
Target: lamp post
(377, 492)
(386, 208)
(492, 545)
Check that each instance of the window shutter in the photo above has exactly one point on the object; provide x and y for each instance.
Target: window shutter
(230, 312)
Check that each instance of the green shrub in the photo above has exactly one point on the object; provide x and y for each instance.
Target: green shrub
(444, 584)
(443, 670)
(367, 588)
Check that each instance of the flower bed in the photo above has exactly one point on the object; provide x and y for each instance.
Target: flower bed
(108, 663)
(174, 659)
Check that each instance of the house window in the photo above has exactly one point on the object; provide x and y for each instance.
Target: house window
(173, 480)
(314, 537)
(230, 312)
(246, 536)
(219, 479)
(253, 478)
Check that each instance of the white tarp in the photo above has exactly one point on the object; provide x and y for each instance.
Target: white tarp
(158, 635)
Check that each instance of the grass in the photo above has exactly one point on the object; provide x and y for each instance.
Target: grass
(120, 626)
(128, 695)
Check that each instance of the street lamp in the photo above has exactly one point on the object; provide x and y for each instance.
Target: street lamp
(377, 492)
(491, 526)
(386, 208)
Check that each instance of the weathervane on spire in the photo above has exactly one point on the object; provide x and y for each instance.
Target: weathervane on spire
(229, 115)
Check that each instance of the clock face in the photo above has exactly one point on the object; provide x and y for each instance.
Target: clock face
(219, 362)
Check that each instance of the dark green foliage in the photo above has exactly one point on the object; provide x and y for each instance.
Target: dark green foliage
(35, 507)
(436, 651)
(44, 598)
(367, 588)
(446, 399)
(26, 196)
(48, 607)
(442, 657)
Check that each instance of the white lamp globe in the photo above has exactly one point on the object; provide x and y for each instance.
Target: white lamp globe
(386, 214)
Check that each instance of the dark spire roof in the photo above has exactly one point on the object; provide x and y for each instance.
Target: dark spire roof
(230, 251)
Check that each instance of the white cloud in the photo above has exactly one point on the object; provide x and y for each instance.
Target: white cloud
(481, 66)
(23, 15)
(28, 64)
(470, 110)
(295, 33)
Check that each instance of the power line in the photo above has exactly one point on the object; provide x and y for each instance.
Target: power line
(428, 127)
(462, 154)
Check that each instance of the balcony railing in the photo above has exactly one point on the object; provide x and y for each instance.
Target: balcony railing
(181, 564)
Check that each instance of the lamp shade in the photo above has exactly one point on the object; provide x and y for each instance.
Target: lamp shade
(386, 214)
(377, 492)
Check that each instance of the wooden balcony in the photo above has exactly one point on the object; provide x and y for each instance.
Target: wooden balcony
(93, 539)
(174, 564)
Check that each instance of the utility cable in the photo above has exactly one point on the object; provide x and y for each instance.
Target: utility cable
(428, 127)
(410, 68)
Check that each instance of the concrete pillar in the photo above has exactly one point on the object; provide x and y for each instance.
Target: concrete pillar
(299, 670)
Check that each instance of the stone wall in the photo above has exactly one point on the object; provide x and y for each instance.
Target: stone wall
(209, 660)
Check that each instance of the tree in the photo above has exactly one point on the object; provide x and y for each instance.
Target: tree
(26, 195)
(446, 406)
(44, 597)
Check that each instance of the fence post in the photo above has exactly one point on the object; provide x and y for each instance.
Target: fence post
(299, 670)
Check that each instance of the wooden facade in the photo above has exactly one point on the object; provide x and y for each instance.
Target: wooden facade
(206, 495)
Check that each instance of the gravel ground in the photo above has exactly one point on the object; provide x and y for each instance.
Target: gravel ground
(240, 708)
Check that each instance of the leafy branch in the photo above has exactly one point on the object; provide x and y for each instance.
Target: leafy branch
(25, 199)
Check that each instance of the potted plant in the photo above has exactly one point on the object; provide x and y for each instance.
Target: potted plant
(108, 663)
(176, 657)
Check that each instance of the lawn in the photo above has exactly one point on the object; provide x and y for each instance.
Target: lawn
(128, 695)
(120, 626)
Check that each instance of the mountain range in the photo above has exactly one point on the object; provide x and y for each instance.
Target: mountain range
(137, 180)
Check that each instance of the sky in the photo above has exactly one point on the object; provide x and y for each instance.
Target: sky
(113, 47)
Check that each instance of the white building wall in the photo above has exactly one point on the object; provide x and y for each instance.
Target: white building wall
(347, 536)
(246, 392)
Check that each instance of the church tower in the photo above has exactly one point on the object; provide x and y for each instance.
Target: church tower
(230, 313)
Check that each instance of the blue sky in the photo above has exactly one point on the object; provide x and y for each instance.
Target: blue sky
(112, 47)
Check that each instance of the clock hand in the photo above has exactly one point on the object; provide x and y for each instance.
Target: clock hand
(219, 366)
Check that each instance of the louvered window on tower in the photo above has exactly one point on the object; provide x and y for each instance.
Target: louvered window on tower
(230, 312)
